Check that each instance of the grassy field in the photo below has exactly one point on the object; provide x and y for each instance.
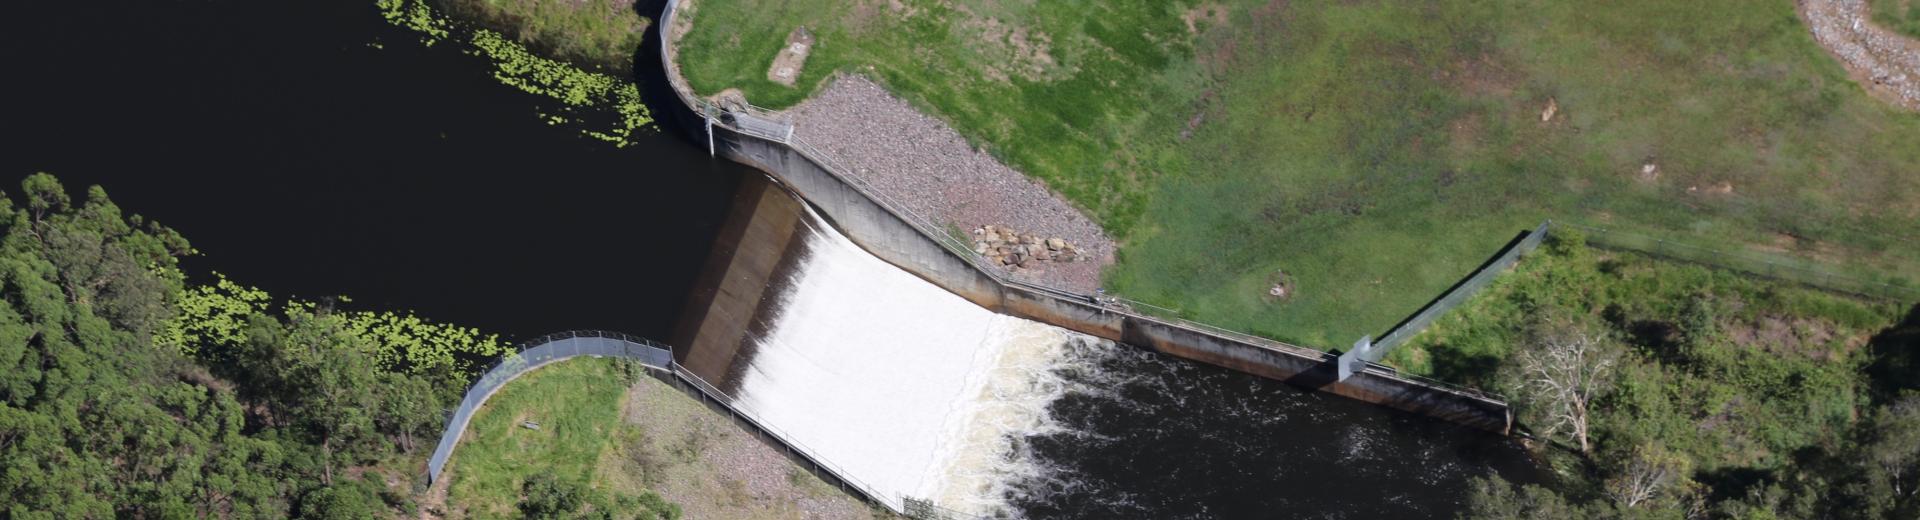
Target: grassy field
(577, 404)
(1376, 152)
(603, 34)
(1899, 15)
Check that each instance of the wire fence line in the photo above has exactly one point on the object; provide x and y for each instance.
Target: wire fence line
(1791, 270)
(1458, 294)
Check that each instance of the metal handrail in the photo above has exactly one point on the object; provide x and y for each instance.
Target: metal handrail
(790, 440)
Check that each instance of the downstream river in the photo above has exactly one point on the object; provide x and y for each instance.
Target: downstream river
(312, 150)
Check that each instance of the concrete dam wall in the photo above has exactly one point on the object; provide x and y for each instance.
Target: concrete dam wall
(726, 309)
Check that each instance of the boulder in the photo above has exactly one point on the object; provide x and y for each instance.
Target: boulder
(1056, 244)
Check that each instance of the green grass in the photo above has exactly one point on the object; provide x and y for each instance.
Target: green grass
(1733, 371)
(603, 34)
(1378, 151)
(1898, 15)
(577, 403)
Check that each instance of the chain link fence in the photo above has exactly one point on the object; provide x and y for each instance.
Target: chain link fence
(1458, 294)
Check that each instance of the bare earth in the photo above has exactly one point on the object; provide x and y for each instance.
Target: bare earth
(922, 163)
(1884, 62)
(715, 469)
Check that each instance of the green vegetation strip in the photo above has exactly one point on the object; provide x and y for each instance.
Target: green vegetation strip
(586, 99)
(1376, 152)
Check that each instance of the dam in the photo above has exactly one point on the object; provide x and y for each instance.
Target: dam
(850, 327)
(921, 398)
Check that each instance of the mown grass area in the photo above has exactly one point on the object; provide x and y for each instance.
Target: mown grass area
(1745, 380)
(603, 34)
(1898, 15)
(577, 405)
(1376, 152)
(1058, 87)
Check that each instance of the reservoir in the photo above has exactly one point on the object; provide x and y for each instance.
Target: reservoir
(312, 150)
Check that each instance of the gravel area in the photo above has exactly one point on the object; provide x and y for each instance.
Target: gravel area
(921, 163)
(1885, 62)
(733, 473)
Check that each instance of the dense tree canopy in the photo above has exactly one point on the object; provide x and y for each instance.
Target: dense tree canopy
(126, 391)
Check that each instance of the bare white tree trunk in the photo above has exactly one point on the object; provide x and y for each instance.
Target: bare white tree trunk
(1649, 472)
(1566, 368)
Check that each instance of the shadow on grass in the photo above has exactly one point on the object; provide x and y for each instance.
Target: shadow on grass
(1896, 358)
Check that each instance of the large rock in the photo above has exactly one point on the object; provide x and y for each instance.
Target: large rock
(1056, 244)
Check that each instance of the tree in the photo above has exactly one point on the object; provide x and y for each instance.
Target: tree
(1889, 458)
(1649, 472)
(546, 497)
(1564, 370)
(349, 500)
(1492, 498)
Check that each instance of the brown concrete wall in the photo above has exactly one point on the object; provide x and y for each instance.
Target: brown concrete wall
(729, 303)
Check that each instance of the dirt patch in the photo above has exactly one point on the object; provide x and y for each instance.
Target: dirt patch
(1011, 50)
(1649, 172)
(1484, 75)
(714, 468)
(1814, 339)
(1204, 16)
(1278, 287)
(792, 56)
(1885, 63)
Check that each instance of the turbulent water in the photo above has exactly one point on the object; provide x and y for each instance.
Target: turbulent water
(911, 391)
(914, 392)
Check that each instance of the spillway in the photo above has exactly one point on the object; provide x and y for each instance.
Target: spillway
(909, 391)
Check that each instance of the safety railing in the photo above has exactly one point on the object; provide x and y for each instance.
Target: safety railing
(534, 354)
(788, 440)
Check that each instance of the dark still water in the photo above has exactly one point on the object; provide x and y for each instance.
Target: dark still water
(312, 150)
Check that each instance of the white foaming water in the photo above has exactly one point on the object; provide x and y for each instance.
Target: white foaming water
(908, 389)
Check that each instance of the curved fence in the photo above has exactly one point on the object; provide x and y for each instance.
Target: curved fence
(561, 346)
(540, 352)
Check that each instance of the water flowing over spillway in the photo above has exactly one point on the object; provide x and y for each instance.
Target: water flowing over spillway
(909, 389)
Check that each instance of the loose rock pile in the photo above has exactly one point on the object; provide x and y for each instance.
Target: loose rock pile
(929, 169)
(1889, 62)
(1007, 247)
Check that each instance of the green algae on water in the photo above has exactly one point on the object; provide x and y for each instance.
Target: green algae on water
(579, 91)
